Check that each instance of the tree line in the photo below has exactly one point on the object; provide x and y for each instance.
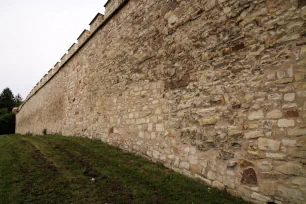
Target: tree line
(7, 118)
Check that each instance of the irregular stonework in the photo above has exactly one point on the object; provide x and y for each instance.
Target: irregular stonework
(215, 90)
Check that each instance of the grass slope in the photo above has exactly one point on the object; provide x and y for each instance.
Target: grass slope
(56, 169)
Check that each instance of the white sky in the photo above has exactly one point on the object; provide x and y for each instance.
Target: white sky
(35, 34)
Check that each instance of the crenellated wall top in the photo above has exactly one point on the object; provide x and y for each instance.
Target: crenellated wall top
(111, 7)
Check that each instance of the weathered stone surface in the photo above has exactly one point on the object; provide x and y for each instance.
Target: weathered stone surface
(265, 165)
(189, 86)
(292, 113)
(290, 193)
(211, 175)
(301, 181)
(209, 121)
(289, 97)
(218, 185)
(160, 127)
(290, 169)
(297, 153)
(289, 143)
(274, 114)
(196, 169)
(260, 197)
(244, 163)
(277, 156)
(268, 187)
(253, 134)
(184, 165)
(301, 142)
(285, 123)
(235, 132)
(268, 144)
(249, 177)
(297, 132)
(206, 181)
(256, 115)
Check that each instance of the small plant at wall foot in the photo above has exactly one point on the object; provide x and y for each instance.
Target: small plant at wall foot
(29, 134)
(44, 131)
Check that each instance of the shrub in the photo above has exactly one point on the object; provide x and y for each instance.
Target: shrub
(44, 131)
(7, 123)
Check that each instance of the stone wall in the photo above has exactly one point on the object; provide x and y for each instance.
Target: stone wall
(214, 89)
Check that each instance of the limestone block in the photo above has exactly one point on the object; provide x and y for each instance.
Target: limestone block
(274, 114)
(285, 123)
(211, 175)
(288, 142)
(290, 193)
(253, 134)
(207, 181)
(260, 197)
(301, 181)
(297, 132)
(278, 156)
(218, 185)
(193, 159)
(289, 97)
(156, 154)
(160, 127)
(289, 105)
(265, 165)
(195, 169)
(184, 165)
(268, 144)
(301, 142)
(268, 187)
(298, 153)
(256, 115)
(290, 169)
(229, 182)
(209, 121)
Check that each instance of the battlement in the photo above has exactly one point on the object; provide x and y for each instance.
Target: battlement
(64, 58)
(96, 21)
(83, 37)
(112, 6)
(72, 50)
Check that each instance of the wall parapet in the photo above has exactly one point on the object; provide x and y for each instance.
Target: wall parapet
(98, 22)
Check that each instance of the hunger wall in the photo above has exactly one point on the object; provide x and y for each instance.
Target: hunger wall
(214, 89)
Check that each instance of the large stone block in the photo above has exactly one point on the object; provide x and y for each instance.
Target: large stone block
(274, 114)
(285, 123)
(256, 115)
(290, 169)
(297, 132)
(268, 144)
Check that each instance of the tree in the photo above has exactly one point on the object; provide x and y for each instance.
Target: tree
(3, 111)
(18, 100)
(7, 99)
(7, 123)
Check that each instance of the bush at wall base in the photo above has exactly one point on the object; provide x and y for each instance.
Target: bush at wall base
(7, 123)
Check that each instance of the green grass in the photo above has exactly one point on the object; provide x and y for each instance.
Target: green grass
(56, 169)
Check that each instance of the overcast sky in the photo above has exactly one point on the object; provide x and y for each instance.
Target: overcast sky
(35, 34)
